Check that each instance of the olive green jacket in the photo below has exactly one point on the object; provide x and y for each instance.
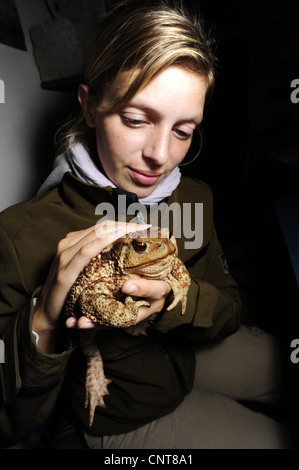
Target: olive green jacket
(150, 375)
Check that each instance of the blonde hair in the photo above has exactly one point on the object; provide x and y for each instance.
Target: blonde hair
(143, 37)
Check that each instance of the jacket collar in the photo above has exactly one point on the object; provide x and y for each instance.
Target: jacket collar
(87, 196)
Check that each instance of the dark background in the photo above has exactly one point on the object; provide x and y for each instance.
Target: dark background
(251, 160)
(251, 154)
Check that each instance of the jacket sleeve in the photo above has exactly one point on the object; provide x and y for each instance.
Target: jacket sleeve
(30, 381)
(213, 304)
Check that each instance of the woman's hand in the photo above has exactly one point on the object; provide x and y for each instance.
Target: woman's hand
(73, 253)
(155, 292)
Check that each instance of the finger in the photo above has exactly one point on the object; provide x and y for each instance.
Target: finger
(173, 240)
(80, 233)
(151, 289)
(103, 228)
(85, 323)
(106, 225)
(71, 322)
(145, 312)
(92, 242)
(72, 238)
(73, 259)
(86, 235)
(100, 230)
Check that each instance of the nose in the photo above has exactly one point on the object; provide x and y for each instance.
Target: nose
(157, 146)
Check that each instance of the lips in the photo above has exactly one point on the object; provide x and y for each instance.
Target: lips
(146, 178)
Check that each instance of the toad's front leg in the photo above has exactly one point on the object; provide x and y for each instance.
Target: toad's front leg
(109, 311)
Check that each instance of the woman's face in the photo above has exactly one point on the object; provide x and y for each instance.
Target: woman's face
(140, 144)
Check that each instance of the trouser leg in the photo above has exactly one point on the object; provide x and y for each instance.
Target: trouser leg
(205, 420)
(244, 366)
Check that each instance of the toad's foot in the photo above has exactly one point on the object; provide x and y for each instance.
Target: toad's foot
(95, 384)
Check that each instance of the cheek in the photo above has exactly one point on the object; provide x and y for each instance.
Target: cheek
(107, 143)
(129, 147)
(180, 149)
(118, 142)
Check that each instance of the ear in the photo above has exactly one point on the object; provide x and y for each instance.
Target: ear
(86, 105)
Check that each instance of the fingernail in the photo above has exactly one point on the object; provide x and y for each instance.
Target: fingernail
(86, 326)
(119, 233)
(131, 289)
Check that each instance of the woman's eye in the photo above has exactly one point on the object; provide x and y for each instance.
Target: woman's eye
(183, 135)
(132, 122)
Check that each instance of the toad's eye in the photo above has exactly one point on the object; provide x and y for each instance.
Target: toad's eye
(139, 246)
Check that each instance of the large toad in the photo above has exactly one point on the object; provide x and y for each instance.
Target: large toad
(97, 293)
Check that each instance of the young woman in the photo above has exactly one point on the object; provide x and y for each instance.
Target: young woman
(148, 76)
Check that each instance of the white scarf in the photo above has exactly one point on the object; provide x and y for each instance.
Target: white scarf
(81, 165)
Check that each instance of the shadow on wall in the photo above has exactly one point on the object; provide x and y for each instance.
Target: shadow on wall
(59, 48)
(60, 45)
(11, 32)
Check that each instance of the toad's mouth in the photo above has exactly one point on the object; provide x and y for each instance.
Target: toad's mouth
(153, 267)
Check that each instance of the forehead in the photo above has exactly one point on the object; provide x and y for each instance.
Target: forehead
(173, 88)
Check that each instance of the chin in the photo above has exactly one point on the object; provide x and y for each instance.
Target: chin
(140, 191)
(143, 193)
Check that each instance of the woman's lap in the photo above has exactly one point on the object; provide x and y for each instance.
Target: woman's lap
(244, 366)
(205, 420)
